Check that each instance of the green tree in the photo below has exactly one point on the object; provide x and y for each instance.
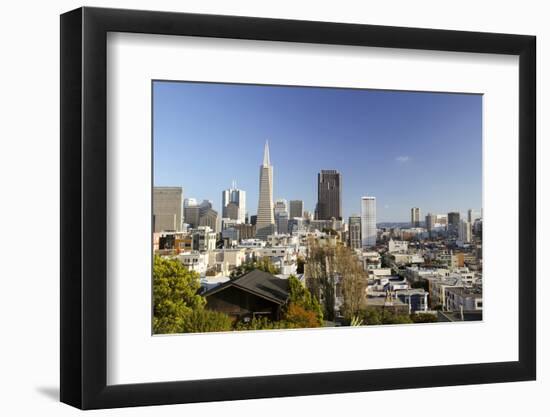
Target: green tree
(391, 317)
(202, 320)
(297, 317)
(423, 318)
(376, 316)
(259, 323)
(301, 296)
(174, 295)
(263, 264)
(372, 316)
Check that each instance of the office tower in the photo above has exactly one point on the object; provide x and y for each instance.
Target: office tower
(368, 222)
(246, 231)
(167, 209)
(231, 211)
(265, 221)
(415, 217)
(470, 216)
(280, 206)
(253, 219)
(296, 208)
(354, 231)
(281, 221)
(430, 221)
(465, 232)
(453, 220)
(209, 217)
(329, 195)
(441, 219)
(191, 212)
(280, 213)
(237, 197)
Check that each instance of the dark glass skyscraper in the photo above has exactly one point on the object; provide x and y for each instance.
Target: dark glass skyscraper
(329, 195)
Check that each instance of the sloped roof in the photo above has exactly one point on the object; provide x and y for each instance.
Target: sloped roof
(260, 283)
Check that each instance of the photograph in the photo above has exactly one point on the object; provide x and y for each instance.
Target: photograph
(295, 207)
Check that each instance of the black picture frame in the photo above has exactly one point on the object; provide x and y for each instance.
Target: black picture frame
(84, 207)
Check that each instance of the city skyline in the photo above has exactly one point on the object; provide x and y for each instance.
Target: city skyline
(399, 182)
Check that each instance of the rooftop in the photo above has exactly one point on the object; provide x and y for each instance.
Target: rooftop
(260, 283)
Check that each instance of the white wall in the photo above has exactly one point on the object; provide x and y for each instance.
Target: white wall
(29, 160)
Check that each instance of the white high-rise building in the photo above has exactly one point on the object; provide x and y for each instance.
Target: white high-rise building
(280, 212)
(265, 221)
(415, 217)
(368, 222)
(465, 232)
(280, 206)
(238, 197)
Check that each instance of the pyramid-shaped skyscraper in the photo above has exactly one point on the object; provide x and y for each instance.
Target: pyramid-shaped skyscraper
(265, 222)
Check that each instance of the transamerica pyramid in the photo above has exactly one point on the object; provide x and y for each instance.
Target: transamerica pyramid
(265, 222)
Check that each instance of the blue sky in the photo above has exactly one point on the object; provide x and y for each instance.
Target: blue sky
(408, 149)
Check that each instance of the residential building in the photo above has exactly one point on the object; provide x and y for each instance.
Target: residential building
(415, 298)
(458, 299)
(398, 246)
(204, 239)
(194, 261)
(254, 295)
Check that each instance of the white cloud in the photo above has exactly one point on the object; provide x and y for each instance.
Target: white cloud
(402, 159)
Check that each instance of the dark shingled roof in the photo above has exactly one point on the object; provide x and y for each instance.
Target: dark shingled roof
(260, 283)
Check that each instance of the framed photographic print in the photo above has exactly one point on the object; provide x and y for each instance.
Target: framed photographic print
(258, 208)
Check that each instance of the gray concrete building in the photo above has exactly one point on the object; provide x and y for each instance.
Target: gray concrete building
(167, 209)
(354, 232)
(296, 208)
